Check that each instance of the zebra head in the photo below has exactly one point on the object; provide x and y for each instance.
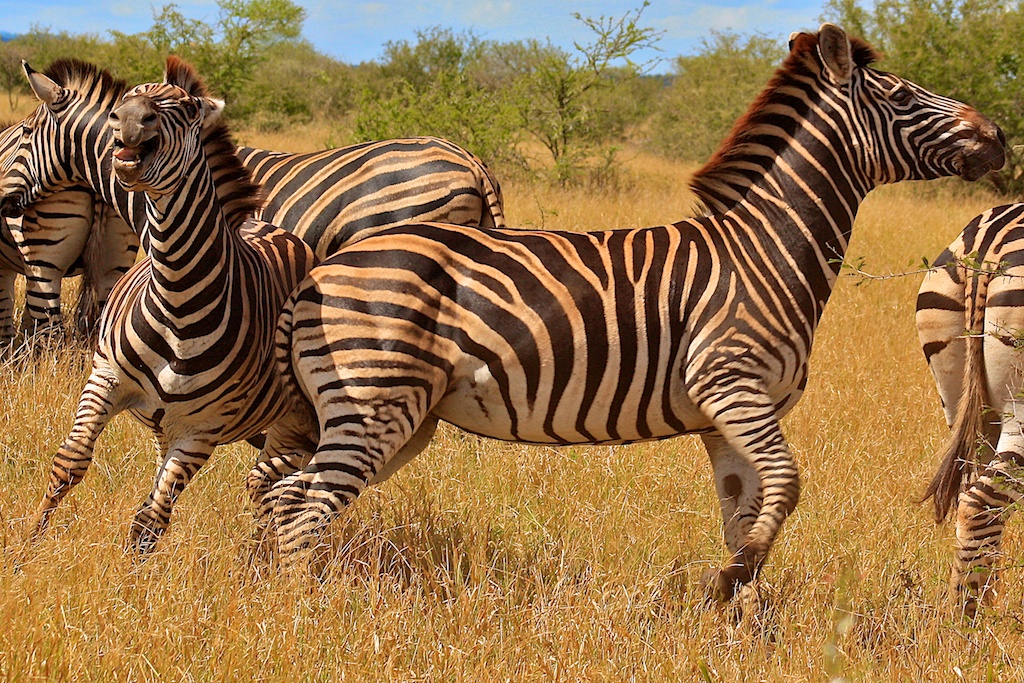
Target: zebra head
(158, 130)
(896, 129)
(57, 139)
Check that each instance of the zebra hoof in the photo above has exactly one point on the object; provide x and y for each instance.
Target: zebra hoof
(716, 587)
(141, 540)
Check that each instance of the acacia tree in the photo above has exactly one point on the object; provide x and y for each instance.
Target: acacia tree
(555, 90)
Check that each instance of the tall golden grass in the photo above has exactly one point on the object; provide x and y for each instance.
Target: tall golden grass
(487, 561)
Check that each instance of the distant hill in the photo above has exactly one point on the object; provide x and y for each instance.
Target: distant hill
(4, 35)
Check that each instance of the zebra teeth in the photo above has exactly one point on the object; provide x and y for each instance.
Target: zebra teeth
(128, 155)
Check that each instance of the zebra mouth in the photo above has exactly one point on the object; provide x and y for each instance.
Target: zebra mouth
(131, 162)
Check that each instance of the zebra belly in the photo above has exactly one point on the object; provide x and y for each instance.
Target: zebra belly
(476, 402)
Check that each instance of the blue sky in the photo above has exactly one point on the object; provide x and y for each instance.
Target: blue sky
(355, 31)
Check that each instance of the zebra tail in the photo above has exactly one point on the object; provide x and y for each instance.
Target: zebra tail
(494, 216)
(90, 299)
(960, 453)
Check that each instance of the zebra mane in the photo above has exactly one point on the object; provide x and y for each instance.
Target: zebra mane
(239, 196)
(749, 149)
(84, 77)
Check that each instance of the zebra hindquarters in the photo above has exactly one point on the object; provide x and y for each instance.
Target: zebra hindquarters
(940, 329)
(371, 395)
(51, 239)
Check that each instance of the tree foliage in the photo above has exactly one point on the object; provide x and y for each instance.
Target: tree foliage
(435, 87)
(710, 91)
(226, 53)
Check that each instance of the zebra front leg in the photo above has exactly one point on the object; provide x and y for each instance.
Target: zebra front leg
(747, 423)
(98, 404)
(180, 464)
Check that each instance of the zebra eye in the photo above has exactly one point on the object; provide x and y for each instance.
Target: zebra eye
(901, 97)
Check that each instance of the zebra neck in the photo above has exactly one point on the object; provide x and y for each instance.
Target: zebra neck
(803, 227)
(190, 243)
(99, 174)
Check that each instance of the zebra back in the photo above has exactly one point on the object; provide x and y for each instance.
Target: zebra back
(335, 196)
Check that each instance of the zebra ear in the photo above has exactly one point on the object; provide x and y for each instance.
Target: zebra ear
(47, 90)
(835, 52)
(213, 110)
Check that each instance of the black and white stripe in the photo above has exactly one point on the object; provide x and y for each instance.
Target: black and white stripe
(65, 234)
(703, 326)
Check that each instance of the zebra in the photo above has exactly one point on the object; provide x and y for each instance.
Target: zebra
(328, 198)
(970, 321)
(546, 337)
(186, 343)
(65, 234)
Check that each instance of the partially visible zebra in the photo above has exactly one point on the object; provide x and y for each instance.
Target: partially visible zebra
(335, 196)
(970, 318)
(62, 235)
(328, 198)
(10, 266)
(704, 326)
(186, 341)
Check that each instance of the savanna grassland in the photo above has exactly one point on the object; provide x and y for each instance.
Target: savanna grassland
(485, 561)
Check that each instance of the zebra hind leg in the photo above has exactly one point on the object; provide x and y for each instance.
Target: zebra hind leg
(358, 440)
(180, 464)
(754, 435)
(739, 490)
(982, 512)
(288, 448)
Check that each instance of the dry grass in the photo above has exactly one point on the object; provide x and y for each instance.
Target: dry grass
(486, 561)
